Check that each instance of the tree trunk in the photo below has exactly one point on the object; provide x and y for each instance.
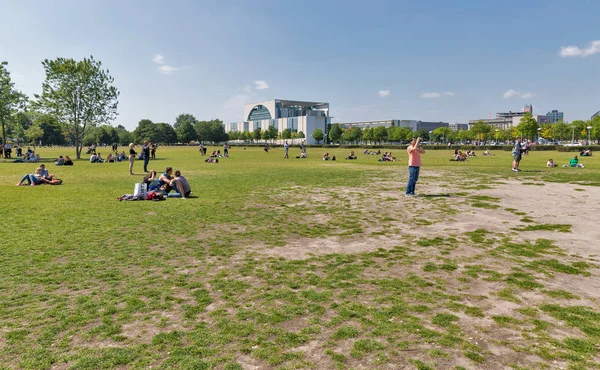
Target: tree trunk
(3, 133)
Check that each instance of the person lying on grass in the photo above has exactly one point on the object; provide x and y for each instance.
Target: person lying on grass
(32, 179)
(211, 160)
(37, 178)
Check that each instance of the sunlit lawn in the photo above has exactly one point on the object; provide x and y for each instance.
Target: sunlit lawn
(89, 282)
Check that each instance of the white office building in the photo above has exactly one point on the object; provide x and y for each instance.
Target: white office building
(298, 116)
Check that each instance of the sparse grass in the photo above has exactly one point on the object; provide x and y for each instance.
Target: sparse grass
(562, 228)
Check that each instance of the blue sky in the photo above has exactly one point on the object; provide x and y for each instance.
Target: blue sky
(428, 60)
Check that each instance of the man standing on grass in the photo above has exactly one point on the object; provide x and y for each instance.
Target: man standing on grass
(286, 148)
(414, 165)
(516, 153)
(146, 151)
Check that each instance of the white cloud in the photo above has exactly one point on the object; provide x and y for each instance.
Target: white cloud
(261, 85)
(158, 59)
(437, 95)
(510, 94)
(527, 96)
(166, 70)
(576, 51)
(516, 94)
(384, 93)
(16, 75)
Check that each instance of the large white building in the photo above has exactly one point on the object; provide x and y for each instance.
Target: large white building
(298, 116)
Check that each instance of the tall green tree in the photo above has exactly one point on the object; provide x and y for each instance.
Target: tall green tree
(186, 132)
(33, 133)
(145, 130)
(318, 135)
(11, 100)
(52, 129)
(380, 134)
(528, 126)
(286, 134)
(272, 132)
(481, 130)
(335, 134)
(165, 134)
(80, 94)
(183, 118)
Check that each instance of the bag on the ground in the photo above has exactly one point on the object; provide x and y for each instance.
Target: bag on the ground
(155, 195)
(140, 189)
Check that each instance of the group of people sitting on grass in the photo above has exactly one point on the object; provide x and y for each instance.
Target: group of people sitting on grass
(216, 154)
(167, 182)
(573, 162)
(370, 152)
(326, 157)
(585, 153)
(63, 161)
(387, 157)
(112, 158)
(351, 156)
(40, 177)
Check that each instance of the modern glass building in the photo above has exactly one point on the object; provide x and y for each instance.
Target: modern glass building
(555, 116)
(284, 114)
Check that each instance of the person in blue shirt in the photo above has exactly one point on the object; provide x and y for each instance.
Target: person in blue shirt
(517, 153)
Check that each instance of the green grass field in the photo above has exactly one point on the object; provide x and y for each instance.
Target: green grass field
(294, 264)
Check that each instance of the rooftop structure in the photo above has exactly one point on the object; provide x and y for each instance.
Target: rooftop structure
(297, 116)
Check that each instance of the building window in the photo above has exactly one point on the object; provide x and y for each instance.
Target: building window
(259, 113)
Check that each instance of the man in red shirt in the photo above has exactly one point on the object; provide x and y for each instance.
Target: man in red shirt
(414, 165)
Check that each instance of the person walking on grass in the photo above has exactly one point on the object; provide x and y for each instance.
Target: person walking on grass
(414, 151)
(517, 152)
(286, 149)
(146, 151)
(132, 154)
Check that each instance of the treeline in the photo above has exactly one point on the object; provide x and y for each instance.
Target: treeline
(528, 128)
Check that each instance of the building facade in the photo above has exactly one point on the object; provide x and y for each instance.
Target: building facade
(415, 125)
(298, 116)
(458, 126)
(555, 116)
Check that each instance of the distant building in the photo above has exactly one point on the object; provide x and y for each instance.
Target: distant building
(458, 126)
(505, 120)
(497, 123)
(284, 114)
(597, 114)
(540, 119)
(555, 116)
(412, 124)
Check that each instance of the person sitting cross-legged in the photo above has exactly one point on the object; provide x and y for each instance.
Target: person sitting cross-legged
(181, 185)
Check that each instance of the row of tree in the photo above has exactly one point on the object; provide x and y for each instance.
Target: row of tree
(528, 128)
(76, 107)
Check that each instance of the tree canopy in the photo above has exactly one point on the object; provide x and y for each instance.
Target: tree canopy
(79, 94)
(11, 100)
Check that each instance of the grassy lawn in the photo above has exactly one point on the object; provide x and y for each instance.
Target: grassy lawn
(293, 264)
